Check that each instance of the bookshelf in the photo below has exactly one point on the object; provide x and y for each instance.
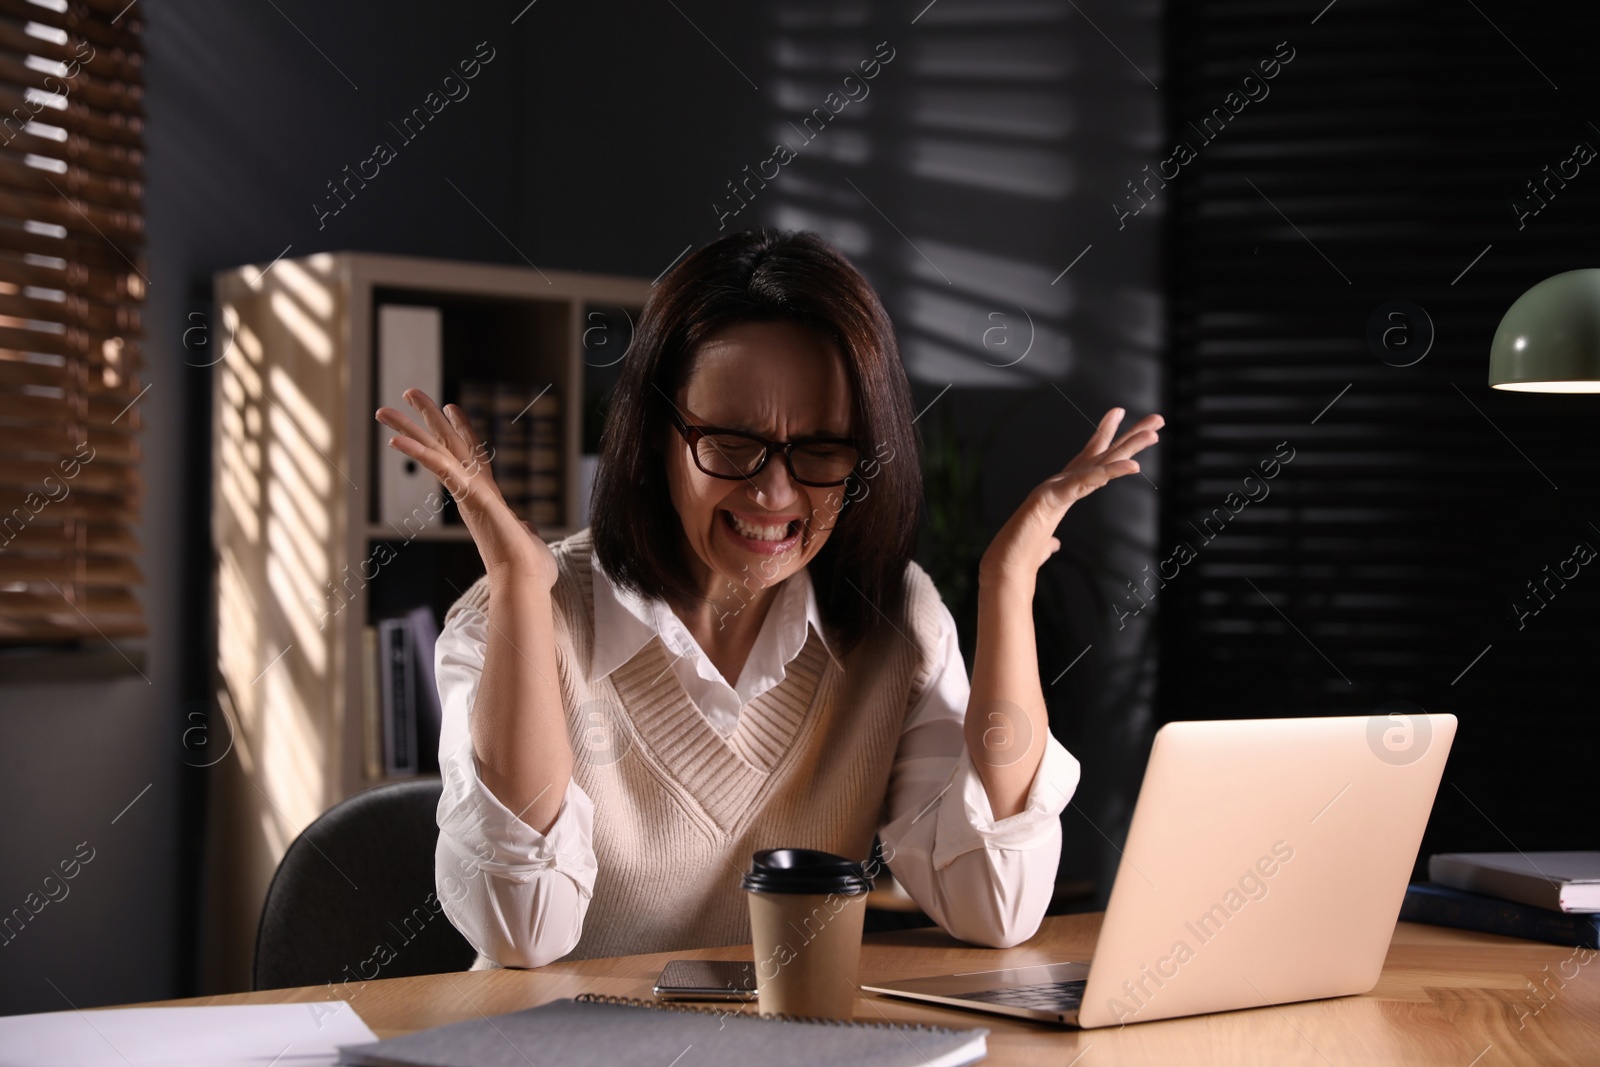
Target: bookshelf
(295, 522)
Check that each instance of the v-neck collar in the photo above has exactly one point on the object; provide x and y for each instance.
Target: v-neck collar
(725, 775)
(624, 623)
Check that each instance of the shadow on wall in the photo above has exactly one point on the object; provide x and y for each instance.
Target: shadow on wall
(966, 158)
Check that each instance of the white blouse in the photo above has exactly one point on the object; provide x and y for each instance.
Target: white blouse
(982, 880)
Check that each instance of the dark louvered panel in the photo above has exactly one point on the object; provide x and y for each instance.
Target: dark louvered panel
(1389, 557)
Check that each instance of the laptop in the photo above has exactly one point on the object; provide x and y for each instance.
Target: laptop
(1266, 863)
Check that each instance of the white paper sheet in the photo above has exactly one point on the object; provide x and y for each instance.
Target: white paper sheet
(246, 1035)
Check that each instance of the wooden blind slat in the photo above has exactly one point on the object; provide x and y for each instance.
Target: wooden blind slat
(68, 501)
(15, 239)
(83, 219)
(90, 571)
(100, 475)
(110, 194)
(102, 354)
(93, 602)
(125, 161)
(93, 24)
(30, 440)
(122, 320)
(21, 376)
(36, 630)
(98, 351)
(19, 373)
(103, 416)
(95, 284)
(38, 341)
(97, 604)
(110, 127)
(23, 407)
(66, 529)
(106, 96)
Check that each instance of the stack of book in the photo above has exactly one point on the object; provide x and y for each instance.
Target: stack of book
(1542, 896)
(522, 428)
(400, 712)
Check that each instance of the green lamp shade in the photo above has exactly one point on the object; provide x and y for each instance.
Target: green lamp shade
(1549, 340)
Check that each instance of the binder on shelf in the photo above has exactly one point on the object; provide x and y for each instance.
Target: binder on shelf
(424, 636)
(398, 691)
(588, 466)
(409, 354)
(405, 698)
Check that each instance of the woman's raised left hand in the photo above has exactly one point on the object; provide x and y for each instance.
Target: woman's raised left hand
(1028, 537)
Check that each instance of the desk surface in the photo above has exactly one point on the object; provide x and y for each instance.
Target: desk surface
(1446, 997)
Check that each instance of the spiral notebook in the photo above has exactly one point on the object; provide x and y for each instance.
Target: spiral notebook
(605, 1031)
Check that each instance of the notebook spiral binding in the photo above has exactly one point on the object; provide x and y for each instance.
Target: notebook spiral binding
(650, 1005)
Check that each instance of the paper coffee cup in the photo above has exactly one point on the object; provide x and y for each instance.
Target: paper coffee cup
(806, 912)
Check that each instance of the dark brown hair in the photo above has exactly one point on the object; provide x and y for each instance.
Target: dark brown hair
(765, 275)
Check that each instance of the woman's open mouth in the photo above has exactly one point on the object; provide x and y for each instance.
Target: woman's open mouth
(763, 538)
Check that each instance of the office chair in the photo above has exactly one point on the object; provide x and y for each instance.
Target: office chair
(353, 898)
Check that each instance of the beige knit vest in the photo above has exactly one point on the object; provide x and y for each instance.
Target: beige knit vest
(680, 810)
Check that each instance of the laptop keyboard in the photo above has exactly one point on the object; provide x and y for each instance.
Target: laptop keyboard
(1049, 996)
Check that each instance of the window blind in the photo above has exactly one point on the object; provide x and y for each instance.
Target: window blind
(1398, 159)
(72, 279)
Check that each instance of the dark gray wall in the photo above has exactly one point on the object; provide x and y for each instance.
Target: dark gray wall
(596, 139)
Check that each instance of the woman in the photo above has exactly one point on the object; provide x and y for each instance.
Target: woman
(739, 653)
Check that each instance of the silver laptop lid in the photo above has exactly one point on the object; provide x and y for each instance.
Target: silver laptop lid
(1265, 863)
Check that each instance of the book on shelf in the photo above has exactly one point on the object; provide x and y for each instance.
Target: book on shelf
(510, 437)
(406, 709)
(543, 501)
(371, 705)
(1560, 881)
(1443, 905)
(475, 398)
(521, 427)
(592, 1029)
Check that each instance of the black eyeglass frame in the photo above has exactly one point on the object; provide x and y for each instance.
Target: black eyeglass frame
(691, 435)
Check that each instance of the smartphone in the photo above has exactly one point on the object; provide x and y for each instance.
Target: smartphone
(707, 980)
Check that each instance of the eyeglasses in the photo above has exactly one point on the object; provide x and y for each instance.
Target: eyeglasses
(723, 453)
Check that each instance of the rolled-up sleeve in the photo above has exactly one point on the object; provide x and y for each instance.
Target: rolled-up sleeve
(518, 896)
(982, 879)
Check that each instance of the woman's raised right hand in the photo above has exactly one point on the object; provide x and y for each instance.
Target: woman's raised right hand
(449, 449)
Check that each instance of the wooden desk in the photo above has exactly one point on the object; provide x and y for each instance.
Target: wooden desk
(1446, 997)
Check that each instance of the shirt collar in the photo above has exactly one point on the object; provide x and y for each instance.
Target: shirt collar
(624, 622)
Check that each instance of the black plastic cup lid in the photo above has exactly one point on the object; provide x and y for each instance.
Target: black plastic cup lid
(804, 870)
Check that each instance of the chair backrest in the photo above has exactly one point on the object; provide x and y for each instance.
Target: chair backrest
(354, 898)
